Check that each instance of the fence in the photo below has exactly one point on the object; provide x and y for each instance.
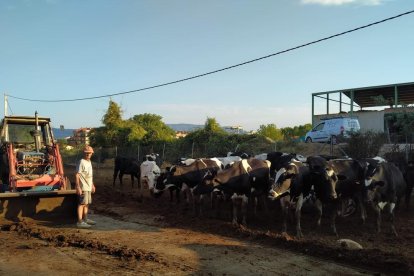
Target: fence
(359, 146)
(170, 152)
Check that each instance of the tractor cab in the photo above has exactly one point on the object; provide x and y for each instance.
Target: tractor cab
(30, 158)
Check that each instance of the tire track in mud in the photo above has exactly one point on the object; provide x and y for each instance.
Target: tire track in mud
(58, 239)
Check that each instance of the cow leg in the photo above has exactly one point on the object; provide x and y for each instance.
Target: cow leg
(363, 209)
(377, 211)
(235, 207)
(334, 212)
(140, 185)
(284, 204)
(115, 175)
(391, 214)
(408, 191)
(299, 204)
(213, 202)
(244, 204)
(265, 206)
(319, 207)
(121, 174)
(178, 195)
(255, 204)
(218, 201)
(203, 202)
(196, 204)
(186, 191)
(236, 200)
(171, 192)
(132, 181)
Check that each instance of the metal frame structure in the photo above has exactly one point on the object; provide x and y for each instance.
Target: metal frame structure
(363, 97)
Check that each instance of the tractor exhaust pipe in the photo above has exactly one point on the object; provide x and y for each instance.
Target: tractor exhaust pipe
(36, 133)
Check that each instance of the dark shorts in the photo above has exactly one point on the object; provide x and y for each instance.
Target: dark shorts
(85, 198)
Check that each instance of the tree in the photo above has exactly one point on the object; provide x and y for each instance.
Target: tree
(270, 131)
(113, 116)
(211, 126)
(155, 128)
(110, 134)
(296, 131)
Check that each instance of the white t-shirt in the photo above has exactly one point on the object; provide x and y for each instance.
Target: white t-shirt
(84, 169)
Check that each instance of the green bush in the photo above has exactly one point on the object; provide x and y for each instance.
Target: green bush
(365, 145)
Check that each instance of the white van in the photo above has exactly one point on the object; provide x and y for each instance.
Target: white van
(332, 127)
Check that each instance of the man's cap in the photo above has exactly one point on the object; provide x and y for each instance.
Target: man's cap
(88, 149)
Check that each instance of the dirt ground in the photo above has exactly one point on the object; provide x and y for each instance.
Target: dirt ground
(156, 237)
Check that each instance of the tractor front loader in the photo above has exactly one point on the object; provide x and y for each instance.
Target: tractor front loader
(33, 183)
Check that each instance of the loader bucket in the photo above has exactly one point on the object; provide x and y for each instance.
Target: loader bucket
(51, 205)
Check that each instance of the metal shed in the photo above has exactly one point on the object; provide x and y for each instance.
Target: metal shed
(392, 95)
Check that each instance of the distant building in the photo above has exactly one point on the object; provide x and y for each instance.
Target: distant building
(234, 129)
(80, 136)
(181, 134)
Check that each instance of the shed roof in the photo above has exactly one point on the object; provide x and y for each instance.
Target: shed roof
(367, 96)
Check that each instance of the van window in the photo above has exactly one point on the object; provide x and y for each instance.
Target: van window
(319, 127)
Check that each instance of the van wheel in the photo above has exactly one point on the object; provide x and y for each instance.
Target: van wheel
(308, 140)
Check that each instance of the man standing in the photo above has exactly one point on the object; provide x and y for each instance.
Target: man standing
(84, 188)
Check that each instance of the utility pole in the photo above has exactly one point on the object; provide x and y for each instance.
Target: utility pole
(5, 105)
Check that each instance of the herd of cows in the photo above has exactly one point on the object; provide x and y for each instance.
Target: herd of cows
(335, 186)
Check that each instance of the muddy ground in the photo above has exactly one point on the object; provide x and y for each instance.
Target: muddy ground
(156, 237)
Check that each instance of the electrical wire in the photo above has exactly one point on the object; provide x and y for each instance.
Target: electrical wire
(222, 69)
(9, 107)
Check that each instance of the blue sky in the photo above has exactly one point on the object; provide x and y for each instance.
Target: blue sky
(55, 49)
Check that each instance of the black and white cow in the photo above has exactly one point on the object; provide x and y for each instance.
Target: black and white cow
(126, 165)
(186, 178)
(241, 154)
(386, 186)
(228, 161)
(279, 160)
(291, 186)
(148, 176)
(350, 187)
(244, 179)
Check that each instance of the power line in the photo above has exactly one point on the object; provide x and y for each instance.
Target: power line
(222, 69)
(8, 105)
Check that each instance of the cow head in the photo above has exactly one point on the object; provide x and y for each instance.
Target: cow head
(159, 186)
(210, 179)
(323, 178)
(283, 181)
(151, 157)
(372, 167)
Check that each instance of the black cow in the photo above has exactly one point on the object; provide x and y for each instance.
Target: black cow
(244, 179)
(323, 179)
(409, 179)
(386, 186)
(126, 165)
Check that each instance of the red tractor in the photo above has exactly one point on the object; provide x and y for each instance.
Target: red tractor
(31, 169)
